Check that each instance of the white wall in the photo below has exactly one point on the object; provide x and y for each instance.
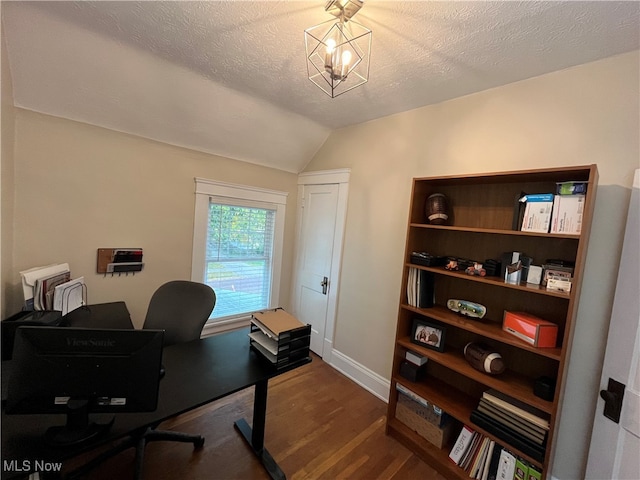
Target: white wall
(79, 188)
(6, 180)
(583, 115)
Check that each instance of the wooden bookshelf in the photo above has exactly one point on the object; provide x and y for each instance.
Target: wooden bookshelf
(481, 209)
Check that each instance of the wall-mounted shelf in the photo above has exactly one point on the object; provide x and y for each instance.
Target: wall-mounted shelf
(119, 260)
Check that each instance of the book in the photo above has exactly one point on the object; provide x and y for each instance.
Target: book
(478, 462)
(534, 473)
(462, 444)
(518, 420)
(493, 463)
(567, 214)
(506, 466)
(522, 470)
(513, 423)
(487, 461)
(420, 288)
(537, 213)
(526, 446)
(518, 211)
(526, 411)
(470, 454)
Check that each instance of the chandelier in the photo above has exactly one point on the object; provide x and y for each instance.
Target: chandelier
(338, 51)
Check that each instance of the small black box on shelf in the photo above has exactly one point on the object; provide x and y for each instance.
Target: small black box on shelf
(411, 371)
(545, 388)
(427, 260)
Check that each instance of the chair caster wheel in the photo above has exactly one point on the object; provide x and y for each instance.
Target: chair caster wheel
(199, 443)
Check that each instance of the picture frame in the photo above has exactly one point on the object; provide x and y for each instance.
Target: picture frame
(428, 335)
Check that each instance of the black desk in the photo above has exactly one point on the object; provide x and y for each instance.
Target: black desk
(100, 315)
(197, 373)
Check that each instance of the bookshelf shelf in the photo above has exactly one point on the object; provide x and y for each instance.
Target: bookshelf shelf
(480, 226)
(494, 231)
(519, 387)
(484, 328)
(493, 281)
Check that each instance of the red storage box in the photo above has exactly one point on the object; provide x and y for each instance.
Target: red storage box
(533, 330)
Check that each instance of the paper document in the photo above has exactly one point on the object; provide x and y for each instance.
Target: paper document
(69, 295)
(269, 343)
(30, 276)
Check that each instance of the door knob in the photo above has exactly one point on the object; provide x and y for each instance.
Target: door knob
(324, 283)
(613, 396)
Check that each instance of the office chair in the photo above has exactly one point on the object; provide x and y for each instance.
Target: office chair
(180, 308)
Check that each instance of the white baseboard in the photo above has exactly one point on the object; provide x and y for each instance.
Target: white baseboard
(364, 377)
(367, 379)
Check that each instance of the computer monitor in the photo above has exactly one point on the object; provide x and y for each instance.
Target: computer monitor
(79, 371)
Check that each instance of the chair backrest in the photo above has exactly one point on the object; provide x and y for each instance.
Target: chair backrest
(180, 308)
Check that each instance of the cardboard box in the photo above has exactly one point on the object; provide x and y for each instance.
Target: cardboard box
(533, 330)
(412, 414)
(567, 214)
(537, 213)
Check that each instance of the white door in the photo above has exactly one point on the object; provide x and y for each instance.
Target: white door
(615, 446)
(321, 214)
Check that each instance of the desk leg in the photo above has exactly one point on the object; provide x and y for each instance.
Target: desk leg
(255, 437)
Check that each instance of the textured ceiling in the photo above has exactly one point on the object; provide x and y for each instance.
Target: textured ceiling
(229, 77)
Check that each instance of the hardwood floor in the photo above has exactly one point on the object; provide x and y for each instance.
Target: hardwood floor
(320, 425)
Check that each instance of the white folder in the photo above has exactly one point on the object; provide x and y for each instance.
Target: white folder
(30, 276)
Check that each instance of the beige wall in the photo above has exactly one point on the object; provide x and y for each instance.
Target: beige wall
(583, 115)
(80, 188)
(7, 120)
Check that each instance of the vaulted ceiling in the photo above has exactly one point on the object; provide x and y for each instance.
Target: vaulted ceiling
(230, 78)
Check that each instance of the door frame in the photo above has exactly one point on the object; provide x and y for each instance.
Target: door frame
(611, 441)
(338, 177)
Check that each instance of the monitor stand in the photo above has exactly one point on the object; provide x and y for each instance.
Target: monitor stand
(78, 428)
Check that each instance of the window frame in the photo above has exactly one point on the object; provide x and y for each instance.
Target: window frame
(244, 196)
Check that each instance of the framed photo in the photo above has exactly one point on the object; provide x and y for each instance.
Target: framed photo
(429, 335)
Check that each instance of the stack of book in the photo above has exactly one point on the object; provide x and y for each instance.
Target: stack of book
(280, 338)
(519, 424)
(484, 459)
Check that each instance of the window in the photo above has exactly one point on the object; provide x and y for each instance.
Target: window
(237, 247)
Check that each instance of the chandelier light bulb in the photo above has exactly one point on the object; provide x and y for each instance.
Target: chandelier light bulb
(346, 60)
(331, 44)
(329, 54)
